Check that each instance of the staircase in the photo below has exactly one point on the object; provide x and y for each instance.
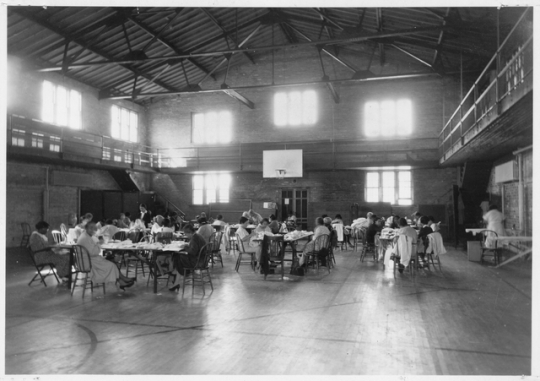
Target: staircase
(124, 181)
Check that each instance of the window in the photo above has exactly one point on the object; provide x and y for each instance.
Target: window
(295, 108)
(37, 140)
(117, 155)
(127, 157)
(211, 187)
(211, 127)
(17, 137)
(386, 185)
(388, 118)
(106, 153)
(124, 124)
(54, 143)
(61, 106)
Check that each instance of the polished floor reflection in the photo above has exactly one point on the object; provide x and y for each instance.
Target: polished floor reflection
(468, 319)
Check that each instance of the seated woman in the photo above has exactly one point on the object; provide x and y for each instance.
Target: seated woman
(103, 271)
(274, 225)
(122, 222)
(405, 229)
(166, 228)
(346, 232)
(320, 229)
(264, 227)
(44, 253)
(183, 261)
(425, 229)
(82, 226)
(158, 224)
(394, 223)
(246, 238)
(205, 229)
(108, 230)
(373, 229)
(219, 221)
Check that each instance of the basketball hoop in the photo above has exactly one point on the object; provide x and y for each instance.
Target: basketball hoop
(280, 173)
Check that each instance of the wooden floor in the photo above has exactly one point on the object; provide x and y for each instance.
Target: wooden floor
(470, 319)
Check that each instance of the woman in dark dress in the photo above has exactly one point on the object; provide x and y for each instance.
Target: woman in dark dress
(183, 261)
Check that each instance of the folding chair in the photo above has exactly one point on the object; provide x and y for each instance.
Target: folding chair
(40, 268)
(83, 265)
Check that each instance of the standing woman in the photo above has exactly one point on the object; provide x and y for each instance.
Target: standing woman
(103, 271)
(43, 252)
(495, 222)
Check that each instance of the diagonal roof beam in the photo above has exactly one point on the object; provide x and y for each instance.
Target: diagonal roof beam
(167, 43)
(415, 57)
(177, 13)
(84, 44)
(226, 35)
(379, 17)
(328, 18)
(440, 40)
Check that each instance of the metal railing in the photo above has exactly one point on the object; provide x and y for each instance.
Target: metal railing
(169, 205)
(508, 70)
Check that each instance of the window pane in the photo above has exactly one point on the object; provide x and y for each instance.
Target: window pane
(280, 109)
(388, 118)
(198, 182)
(115, 125)
(404, 176)
(211, 182)
(372, 180)
(124, 124)
(372, 195)
(224, 181)
(61, 106)
(405, 202)
(225, 127)
(309, 107)
(405, 191)
(133, 126)
(210, 132)
(75, 109)
(210, 196)
(198, 196)
(47, 110)
(295, 108)
(198, 128)
(388, 186)
(224, 195)
(371, 111)
(404, 117)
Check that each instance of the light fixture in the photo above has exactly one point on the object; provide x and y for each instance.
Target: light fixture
(280, 173)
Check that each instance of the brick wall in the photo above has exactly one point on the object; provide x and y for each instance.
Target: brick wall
(329, 192)
(26, 197)
(24, 89)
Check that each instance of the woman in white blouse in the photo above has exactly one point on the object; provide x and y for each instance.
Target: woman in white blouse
(103, 271)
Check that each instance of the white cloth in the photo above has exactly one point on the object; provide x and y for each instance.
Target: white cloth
(435, 244)
(219, 223)
(404, 248)
(156, 228)
(108, 230)
(435, 227)
(206, 232)
(494, 220)
(339, 230)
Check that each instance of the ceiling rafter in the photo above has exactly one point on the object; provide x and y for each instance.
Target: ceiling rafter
(65, 35)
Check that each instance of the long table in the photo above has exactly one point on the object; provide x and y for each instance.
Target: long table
(162, 249)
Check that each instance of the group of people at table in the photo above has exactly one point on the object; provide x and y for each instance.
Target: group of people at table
(92, 236)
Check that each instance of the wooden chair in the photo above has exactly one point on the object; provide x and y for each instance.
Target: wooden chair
(148, 254)
(241, 252)
(83, 265)
(215, 248)
(331, 247)
(119, 236)
(200, 273)
(57, 236)
(413, 263)
(136, 257)
(429, 256)
(490, 247)
(64, 231)
(40, 268)
(232, 240)
(368, 248)
(164, 238)
(273, 254)
(358, 237)
(320, 243)
(26, 234)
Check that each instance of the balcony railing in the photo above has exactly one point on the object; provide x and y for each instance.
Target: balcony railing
(508, 72)
(63, 142)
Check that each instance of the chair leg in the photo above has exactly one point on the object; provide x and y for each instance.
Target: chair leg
(84, 286)
(238, 261)
(41, 275)
(74, 283)
(210, 279)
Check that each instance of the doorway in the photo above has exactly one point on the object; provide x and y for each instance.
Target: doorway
(295, 200)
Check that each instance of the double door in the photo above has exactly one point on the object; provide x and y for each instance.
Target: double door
(295, 200)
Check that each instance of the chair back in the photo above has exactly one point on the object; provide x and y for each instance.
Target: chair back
(240, 244)
(63, 230)
(232, 231)
(204, 257)
(164, 237)
(363, 235)
(57, 236)
(135, 235)
(81, 259)
(26, 228)
(273, 247)
(147, 239)
(215, 241)
(218, 228)
(321, 242)
(121, 236)
(487, 239)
